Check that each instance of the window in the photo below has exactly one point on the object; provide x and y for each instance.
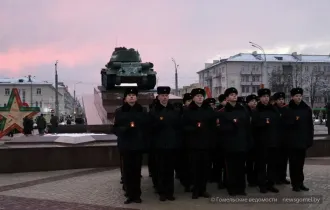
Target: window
(245, 89)
(255, 89)
(5, 104)
(7, 91)
(40, 104)
(306, 69)
(23, 96)
(37, 103)
(38, 91)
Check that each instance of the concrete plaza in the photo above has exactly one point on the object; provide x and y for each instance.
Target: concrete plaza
(100, 189)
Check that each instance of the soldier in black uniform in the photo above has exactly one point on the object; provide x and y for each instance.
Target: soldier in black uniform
(251, 168)
(234, 123)
(151, 159)
(130, 124)
(210, 102)
(199, 123)
(184, 154)
(282, 107)
(299, 119)
(165, 122)
(215, 175)
(222, 101)
(186, 99)
(266, 121)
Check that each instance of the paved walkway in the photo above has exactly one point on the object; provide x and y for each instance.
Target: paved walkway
(99, 189)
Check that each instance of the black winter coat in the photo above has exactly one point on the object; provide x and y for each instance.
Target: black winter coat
(299, 120)
(235, 128)
(283, 128)
(131, 137)
(266, 121)
(199, 124)
(165, 126)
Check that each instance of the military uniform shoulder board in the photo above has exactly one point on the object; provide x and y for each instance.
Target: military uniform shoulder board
(222, 109)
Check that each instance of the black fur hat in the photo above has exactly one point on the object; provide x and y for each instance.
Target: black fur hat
(251, 97)
(131, 90)
(229, 91)
(209, 101)
(295, 91)
(264, 91)
(196, 91)
(279, 95)
(186, 97)
(163, 90)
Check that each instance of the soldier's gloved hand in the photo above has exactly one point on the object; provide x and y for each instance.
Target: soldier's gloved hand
(235, 122)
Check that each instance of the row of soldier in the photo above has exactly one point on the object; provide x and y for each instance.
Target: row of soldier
(228, 144)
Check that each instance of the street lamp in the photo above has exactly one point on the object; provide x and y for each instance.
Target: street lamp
(264, 72)
(74, 99)
(176, 77)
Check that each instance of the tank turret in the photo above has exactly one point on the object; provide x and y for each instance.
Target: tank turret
(125, 66)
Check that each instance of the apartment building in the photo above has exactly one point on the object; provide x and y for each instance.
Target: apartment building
(280, 72)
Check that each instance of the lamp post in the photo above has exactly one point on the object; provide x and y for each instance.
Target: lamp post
(74, 100)
(264, 72)
(57, 110)
(176, 77)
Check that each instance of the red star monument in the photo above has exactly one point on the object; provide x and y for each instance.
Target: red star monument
(11, 116)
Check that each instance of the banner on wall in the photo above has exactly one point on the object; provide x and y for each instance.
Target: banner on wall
(208, 92)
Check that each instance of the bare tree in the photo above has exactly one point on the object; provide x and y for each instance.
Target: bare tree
(316, 84)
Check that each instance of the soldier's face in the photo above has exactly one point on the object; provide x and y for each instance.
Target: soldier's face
(232, 97)
(264, 99)
(163, 98)
(297, 98)
(131, 98)
(280, 101)
(187, 102)
(198, 99)
(252, 104)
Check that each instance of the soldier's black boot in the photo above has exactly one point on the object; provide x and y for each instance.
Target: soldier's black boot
(221, 185)
(137, 200)
(272, 189)
(263, 189)
(205, 195)
(170, 197)
(195, 195)
(304, 188)
(162, 198)
(296, 189)
(128, 201)
(285, 181)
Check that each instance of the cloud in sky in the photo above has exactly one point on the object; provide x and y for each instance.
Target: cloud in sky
(82, 34)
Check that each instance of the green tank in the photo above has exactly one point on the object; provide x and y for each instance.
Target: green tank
(125, 66)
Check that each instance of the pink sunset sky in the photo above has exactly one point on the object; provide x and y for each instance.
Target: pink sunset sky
(82, 34)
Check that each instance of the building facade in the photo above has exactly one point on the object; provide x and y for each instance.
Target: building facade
(279, 72)
(186, 89)
(37, 94)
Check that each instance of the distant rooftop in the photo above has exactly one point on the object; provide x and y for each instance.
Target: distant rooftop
(22, 80)
(257, 57)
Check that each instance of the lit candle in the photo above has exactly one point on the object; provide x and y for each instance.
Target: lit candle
(235, 121)
(297, 117)
(198, 124)
(132, 124)
(267, 120)
(161, 118)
